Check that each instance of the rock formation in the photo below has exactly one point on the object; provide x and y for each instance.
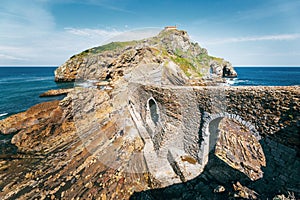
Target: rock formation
(58, 92)
(141, 129)
(182, 62)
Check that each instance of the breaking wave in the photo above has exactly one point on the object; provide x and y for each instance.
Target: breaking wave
(3, 114)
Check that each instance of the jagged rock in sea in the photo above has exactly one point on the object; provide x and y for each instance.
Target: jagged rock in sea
(142, 127)
(58, 92)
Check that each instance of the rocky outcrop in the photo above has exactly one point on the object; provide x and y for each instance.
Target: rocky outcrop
(115, 59)
(228, 71)
(68, 71)
(40, 129)
(51, 93)
(243, 192)
(239, 148)
(58, 159)
(27, 119)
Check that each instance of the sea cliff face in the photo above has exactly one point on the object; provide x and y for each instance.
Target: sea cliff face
(170, 48)
(145, 129)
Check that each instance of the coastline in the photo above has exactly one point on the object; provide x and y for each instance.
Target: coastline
(158, 126)
(243, 79)
(43, 151)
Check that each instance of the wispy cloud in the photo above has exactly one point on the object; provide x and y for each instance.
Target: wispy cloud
(106, 4)
(110, 5)
(9, 57)
(87, 32)
(269, 9)
(280, 37)
(29, 35)
(104, 36)
(54, 47)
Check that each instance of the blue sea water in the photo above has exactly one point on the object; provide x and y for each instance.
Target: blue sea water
(266, 76)
(20, 87)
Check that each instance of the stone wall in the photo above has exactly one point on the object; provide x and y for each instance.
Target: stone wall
(282, 171)
(270, 113)
(275, 114)
(271, 109)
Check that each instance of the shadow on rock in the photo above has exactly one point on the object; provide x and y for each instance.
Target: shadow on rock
(220, 181)
(210, 184)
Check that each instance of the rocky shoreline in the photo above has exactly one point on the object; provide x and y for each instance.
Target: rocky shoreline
(56, 157)
(154, 125)
(58, 92)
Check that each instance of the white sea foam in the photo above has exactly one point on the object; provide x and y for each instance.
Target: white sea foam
(87, 84)
(3, 114)
(231, 81)
(24, 79)
(4, 141)
(236, 81)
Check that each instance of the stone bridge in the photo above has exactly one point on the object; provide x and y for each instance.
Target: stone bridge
(183, 125)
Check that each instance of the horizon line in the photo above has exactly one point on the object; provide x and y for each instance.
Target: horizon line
(30, 65)
(266, 65)
(232, 65)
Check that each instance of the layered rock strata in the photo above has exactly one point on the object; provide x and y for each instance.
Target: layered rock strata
(93, 146)
(141, 129)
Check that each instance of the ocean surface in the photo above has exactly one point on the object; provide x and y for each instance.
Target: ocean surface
(20, 87)
(267, 76)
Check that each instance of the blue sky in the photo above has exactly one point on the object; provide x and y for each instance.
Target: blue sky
(245, 32)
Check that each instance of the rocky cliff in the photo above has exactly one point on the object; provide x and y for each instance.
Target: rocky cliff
(136, 127)
(181, 61)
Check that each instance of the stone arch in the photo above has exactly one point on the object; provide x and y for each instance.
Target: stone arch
(211, 70)
(213, 129)
(153, 108)
(152, 115)
(210, 117)
(210, 132)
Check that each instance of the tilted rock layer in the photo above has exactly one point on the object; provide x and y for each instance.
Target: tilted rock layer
(83, 149)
